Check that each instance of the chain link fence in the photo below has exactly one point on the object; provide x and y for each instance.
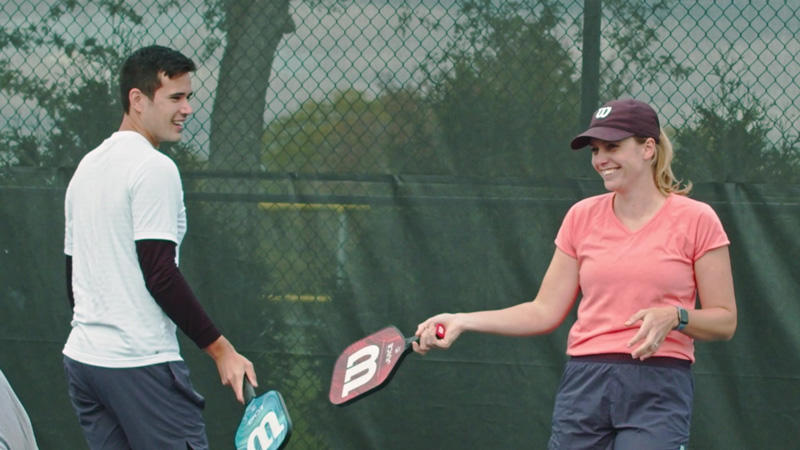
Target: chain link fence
(351, 164)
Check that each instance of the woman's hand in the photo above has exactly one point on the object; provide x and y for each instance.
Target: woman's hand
(426, 332)
(656, 324)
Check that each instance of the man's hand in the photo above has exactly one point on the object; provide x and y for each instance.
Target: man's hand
(232, 366)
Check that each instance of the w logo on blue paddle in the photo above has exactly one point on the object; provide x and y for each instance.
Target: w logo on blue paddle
(266, 424)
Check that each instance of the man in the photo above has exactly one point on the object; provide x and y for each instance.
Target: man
(125, 219)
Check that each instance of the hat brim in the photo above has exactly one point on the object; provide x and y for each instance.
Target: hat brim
(602, 133)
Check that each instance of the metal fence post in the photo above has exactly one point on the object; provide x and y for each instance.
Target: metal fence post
(590, 71)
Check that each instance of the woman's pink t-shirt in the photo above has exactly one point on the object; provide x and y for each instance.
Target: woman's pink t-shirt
(621, 272)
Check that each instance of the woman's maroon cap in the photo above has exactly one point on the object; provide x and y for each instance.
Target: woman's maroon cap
(620, 119)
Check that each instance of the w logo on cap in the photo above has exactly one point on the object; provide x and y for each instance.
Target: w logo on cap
(603, 112)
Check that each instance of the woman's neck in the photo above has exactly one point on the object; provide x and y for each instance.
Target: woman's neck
(635, 208)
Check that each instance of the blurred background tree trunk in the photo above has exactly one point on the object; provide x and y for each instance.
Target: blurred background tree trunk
(253, 31)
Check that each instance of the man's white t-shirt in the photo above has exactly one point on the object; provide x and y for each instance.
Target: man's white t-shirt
(123, 191)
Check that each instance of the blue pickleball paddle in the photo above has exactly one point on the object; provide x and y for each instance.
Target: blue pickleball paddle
(266, 424)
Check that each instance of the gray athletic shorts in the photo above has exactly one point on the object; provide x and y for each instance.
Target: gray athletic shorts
(616, 402)
(149, 407)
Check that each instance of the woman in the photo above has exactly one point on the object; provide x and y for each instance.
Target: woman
(639, 255)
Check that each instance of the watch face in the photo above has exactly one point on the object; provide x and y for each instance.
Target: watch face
(684, 316)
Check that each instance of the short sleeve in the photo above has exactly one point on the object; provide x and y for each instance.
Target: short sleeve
(156, 200)
(709, 233)
(565, 238)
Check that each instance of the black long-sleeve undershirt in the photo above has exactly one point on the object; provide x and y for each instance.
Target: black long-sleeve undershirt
(170, 290)
(70, 295)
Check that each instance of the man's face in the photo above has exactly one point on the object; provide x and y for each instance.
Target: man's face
(163, 117)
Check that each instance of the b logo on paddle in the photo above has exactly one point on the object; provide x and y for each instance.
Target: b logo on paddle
(361, 367)
(266, 424)
(366, 364)
(266, 432)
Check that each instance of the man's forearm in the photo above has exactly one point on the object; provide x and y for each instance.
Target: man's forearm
(171, 291)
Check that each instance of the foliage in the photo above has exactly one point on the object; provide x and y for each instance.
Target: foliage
(78, 101)
(728, 141)
(782, 160)
(351, 133)
(504, 91)
(78, 105)
(634, 57)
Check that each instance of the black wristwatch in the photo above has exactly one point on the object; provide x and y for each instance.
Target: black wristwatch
(683, 318)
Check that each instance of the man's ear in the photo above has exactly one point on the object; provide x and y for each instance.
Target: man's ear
(136, 98)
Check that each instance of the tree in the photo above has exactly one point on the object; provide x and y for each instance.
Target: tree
(78, 108)
(504, 91)
(634, 54)
(79, 104)
(728, 141)
(252, 31)
(351, 133)
(83, 105)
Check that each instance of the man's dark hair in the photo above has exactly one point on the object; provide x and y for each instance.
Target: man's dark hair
(143, 66)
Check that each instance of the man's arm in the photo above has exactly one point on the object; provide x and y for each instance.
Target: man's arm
(232, 366)
(171, 291)
(70, 295)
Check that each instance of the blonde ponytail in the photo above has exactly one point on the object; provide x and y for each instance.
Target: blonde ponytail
(662, 168)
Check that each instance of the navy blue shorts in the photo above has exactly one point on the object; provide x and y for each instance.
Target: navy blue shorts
(617, 402)
(149, 407)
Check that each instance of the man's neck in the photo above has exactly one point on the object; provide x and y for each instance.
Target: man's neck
(130, 123)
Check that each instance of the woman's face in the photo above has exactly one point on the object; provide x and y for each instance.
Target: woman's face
(624, 164)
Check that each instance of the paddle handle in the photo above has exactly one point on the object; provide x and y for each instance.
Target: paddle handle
(247, 390)
(440, 332)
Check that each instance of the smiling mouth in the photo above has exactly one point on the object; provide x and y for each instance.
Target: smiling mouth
(607, 172)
